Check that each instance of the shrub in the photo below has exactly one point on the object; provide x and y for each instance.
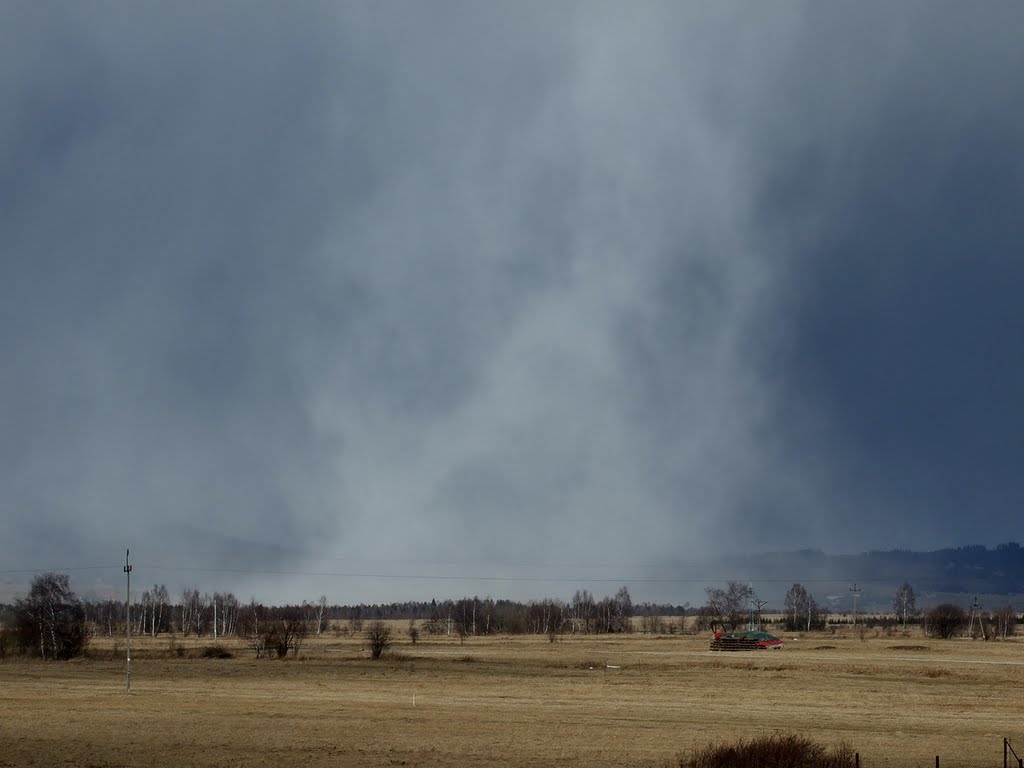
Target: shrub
(775, 751)
(216, 652)
(282, 634)
(378, 635)
(944, 620)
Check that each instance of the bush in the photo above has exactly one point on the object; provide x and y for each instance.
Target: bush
(283, 635)
(775, 751)
(378, 635)
(174, 648)
(944, 620)
(216, 652)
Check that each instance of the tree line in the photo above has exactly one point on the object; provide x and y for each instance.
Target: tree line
(51, 622)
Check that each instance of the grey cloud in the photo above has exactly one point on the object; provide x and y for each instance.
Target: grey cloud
(385, 284)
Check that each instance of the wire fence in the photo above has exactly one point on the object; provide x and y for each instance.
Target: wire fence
(1010, 760)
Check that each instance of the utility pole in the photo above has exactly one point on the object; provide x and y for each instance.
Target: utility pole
(128, 618)
(756, 605)
(855, 590)
(759, 604)
(750, 601)
(976, 612)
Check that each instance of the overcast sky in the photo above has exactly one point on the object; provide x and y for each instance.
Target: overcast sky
(504, 290)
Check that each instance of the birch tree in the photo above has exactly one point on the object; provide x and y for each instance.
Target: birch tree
(51, 619)
(161, 604)
(581, 611)
(905, 603)
(802, 612)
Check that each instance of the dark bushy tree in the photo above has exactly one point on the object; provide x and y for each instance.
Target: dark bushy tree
(944, 620)
(51, 620)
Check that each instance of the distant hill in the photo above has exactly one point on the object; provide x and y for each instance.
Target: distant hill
(957, 574)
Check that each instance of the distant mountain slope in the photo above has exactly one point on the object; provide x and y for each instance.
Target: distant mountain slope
(995, 574)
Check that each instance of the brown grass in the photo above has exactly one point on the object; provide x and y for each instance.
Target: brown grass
(507, 701)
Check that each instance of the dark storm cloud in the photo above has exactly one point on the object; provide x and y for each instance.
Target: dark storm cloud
(908, 301)
(388, 285)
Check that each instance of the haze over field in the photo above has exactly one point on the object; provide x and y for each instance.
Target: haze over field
(510, 291)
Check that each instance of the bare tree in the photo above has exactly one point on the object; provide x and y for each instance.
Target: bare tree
(651, 621)
(378, 635)
(159, 609)
(192, 608)
(355, 620)
(622, 620)
(802, 612)
(145, 613)
(471, 616)
(287, 631)
(541, 618)
(1006, 622)
(320, 613)
(226, 613)
(581, 611)
(254, 624)
(728, 607)
(705, 618)
(106, 616)
(613, 614)
(905, 603)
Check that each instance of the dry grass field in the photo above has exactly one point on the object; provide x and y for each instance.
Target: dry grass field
(606, 701)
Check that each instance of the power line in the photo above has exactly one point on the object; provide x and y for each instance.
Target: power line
(447, 577)
(62, 568)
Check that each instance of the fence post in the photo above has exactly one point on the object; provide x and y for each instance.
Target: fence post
(936, 761)
(856, 760)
